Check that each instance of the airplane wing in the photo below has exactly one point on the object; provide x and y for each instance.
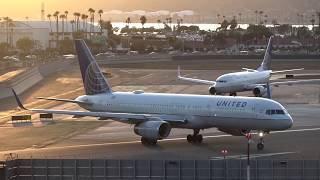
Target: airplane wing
(129, 118)
(289, 83)
(194, 80)
(284, 71)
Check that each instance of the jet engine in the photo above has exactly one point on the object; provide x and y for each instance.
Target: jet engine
(212, 90)
(233, 132)
(155, 130)
(259, 91)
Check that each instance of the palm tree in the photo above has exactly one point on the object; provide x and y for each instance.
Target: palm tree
(7, 19)
(218, 15)
(298, 15)
(84, 18)
(62, 17)
(265, 19)
(91, 12)
(240, 15)
(49, 17)
(56, 15)
(100, 12)
(260, 17)
(72, 25)
(313, 21)
(76, 20)
(159, 22)
(318, 14)
(128, 22)
(143, 20)
(256, 12)
(11, 25)
(66, 16)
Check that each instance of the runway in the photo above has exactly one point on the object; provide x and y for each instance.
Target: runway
(117, 141)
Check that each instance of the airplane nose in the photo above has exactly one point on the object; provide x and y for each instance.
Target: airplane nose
(289, 121)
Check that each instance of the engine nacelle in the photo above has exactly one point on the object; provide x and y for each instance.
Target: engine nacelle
(154, 130)
(233, 132)
(259, 91)
(212, 90)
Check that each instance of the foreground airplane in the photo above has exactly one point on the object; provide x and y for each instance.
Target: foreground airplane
(249, 80)
(155, 114)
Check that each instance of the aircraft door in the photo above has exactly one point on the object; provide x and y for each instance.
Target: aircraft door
(258, 110)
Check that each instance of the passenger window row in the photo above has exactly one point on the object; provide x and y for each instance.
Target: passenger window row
(274, 111)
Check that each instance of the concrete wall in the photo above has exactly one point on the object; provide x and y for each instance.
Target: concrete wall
(192, 57)
(26, 80)
(70, 169)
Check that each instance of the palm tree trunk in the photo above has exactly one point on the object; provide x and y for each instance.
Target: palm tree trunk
(57, 35)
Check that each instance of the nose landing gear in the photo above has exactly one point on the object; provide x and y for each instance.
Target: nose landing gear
(196, 138)
(260, 145)
(233, 94)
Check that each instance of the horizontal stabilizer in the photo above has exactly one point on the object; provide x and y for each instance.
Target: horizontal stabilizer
(297, 82)
(284, 71)
(64, 100)
(249, 70)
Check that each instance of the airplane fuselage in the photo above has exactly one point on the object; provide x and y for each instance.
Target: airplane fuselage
(198, 111)
(241, 81)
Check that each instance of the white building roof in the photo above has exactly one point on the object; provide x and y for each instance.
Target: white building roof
(46, 25)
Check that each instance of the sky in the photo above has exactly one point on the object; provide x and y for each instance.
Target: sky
(19, 9)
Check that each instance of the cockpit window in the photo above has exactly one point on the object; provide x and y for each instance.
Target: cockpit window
(280, 112)
(274, 111)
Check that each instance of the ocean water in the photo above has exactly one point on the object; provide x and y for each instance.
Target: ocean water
(205, 27)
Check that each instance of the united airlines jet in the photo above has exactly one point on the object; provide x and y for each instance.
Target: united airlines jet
(248, 80)
(155, 114)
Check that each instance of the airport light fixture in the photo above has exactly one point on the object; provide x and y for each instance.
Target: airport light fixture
(248, 136)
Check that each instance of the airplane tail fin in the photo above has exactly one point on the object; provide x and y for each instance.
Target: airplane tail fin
(266, 63)
(93, 79)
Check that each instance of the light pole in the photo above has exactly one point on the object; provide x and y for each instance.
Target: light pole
(248, 136)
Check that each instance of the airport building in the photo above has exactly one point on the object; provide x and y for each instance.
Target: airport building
(43, 32)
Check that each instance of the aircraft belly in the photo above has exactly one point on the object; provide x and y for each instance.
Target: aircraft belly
(249, 123)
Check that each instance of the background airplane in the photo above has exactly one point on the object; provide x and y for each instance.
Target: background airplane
(155, 114)
(248, 80)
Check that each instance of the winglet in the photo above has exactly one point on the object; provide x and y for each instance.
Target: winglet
(18, 100)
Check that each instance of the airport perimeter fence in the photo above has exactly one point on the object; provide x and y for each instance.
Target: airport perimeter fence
(84, 169)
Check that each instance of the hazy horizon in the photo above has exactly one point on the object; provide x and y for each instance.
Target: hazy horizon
(19, 9)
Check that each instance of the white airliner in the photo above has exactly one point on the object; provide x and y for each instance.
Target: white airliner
(248, 80)
(155, 114)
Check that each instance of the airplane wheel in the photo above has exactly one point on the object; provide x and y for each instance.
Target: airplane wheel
(190, 138)
(199, 138)
(260, 146)
(233, 94)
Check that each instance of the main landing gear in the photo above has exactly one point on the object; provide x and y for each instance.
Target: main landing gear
(196, 138)
(148, 142)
